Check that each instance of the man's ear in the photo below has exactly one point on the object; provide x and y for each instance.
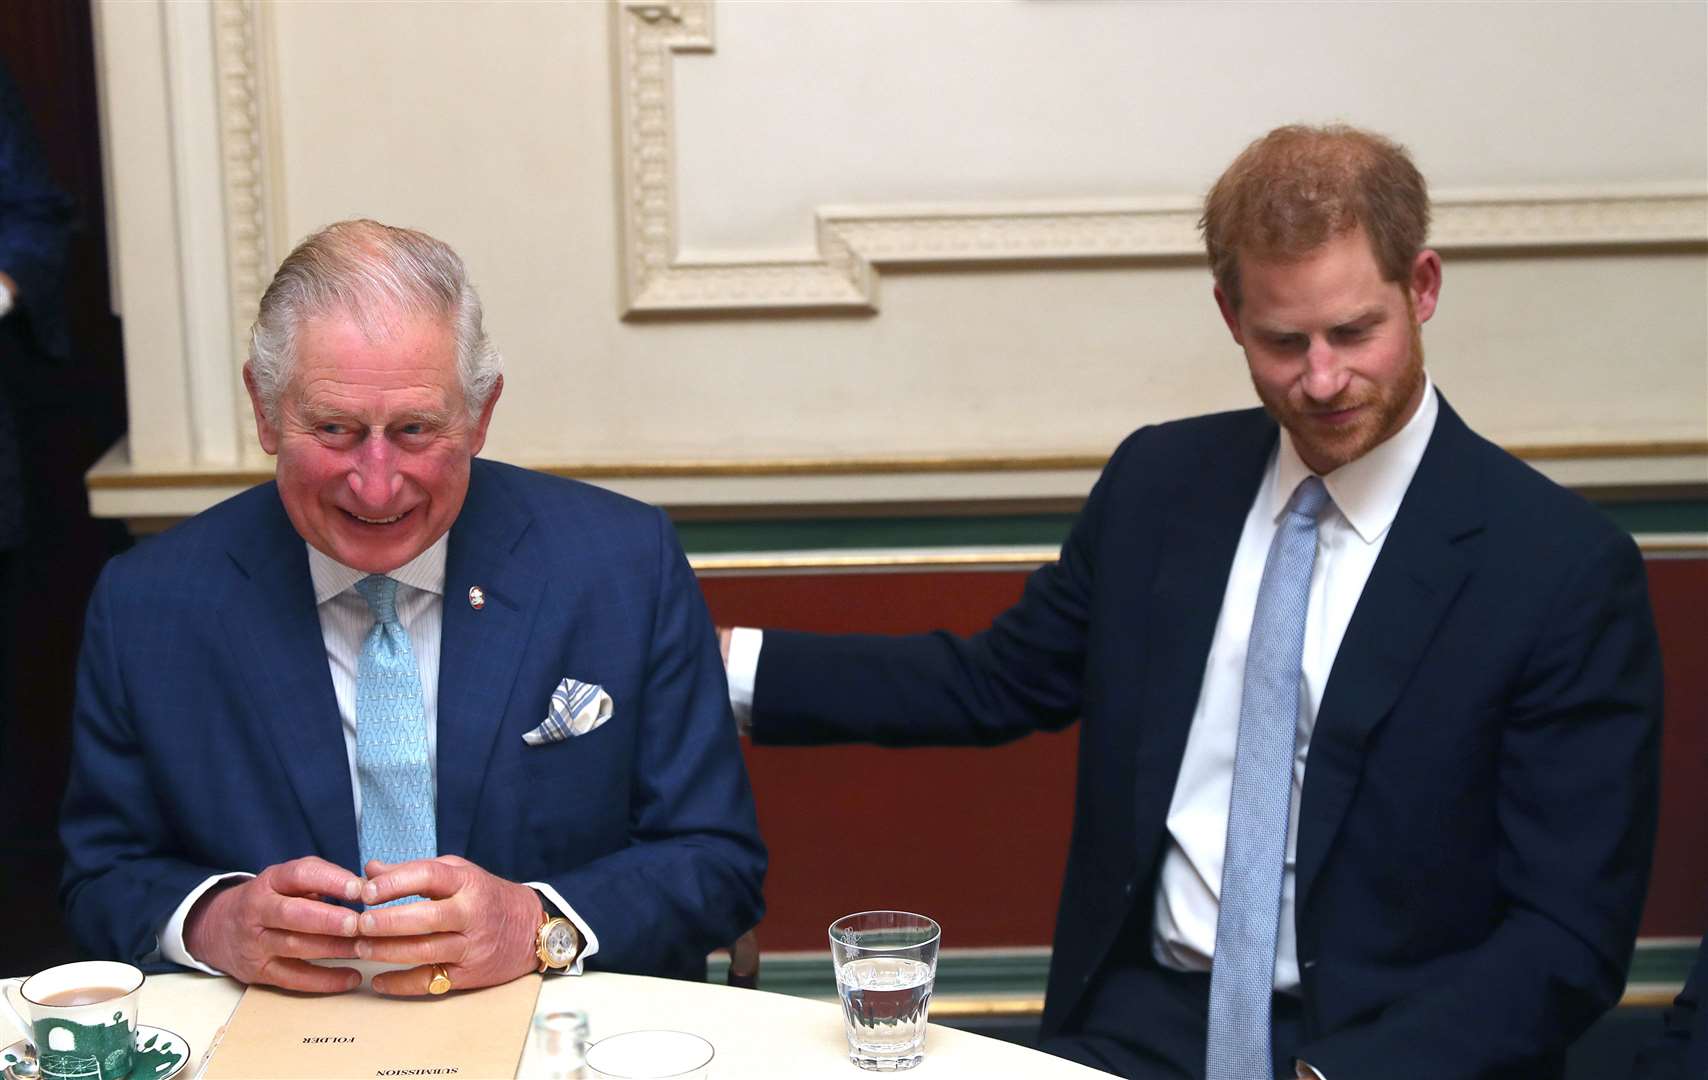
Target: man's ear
(478, 439)
(265, 430)
(1425, 284)
(1230, 315)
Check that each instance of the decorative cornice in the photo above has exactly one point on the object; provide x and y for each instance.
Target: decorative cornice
(243, 154)
(1630, 216)
(855, 243)
(1058, 231)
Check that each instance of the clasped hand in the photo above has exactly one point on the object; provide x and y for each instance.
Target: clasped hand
(268, 928)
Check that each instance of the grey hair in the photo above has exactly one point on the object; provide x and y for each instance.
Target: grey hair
(371, 273)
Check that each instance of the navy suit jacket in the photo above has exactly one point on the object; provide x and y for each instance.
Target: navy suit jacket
(207, 735)
(1479, 799)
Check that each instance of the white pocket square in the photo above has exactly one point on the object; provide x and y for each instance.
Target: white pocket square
(576, 709)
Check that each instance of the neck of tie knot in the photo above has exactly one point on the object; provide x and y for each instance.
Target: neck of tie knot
(381, 594)
(1309, 498)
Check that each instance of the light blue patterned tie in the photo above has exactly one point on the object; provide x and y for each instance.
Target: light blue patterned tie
(1242, 974)
(391, 738)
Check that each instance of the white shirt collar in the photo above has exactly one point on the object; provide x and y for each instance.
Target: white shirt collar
(425, 572)
(1367, 491)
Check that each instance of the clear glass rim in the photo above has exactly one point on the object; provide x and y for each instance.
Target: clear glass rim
(711, 1052)
(559, 1016)
(925, 920)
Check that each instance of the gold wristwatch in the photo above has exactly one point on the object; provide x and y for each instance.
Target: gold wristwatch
(557, 942)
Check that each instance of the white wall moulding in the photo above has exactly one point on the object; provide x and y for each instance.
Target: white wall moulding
(185, 152)
(654, 279)
(198, 142)
(1633, 216)
(856, 242)
(778, 160)
(245, 136)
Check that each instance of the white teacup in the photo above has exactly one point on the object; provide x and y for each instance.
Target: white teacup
(81, 1018)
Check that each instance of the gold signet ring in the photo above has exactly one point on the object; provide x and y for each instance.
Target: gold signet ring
(441, 981)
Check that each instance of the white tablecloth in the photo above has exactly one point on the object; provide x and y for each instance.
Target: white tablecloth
(757, 1034)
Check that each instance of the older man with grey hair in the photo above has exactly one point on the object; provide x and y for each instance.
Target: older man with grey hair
(401, 704)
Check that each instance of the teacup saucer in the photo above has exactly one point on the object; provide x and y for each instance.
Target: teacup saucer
(160, 1054)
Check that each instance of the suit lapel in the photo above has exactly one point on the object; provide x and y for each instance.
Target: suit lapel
(480, 648)
(1423, 564)
(271, 621)
(1193, 560)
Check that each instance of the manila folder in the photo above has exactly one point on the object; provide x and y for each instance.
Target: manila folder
(466, 1034)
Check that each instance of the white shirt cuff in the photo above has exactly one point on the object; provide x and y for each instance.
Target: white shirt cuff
(171, 939)
(590, 940)
(743, 672)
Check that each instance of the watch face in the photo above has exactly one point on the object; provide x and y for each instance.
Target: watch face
(560, 943)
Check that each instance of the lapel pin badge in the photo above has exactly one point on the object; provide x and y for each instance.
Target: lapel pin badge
(477, 598)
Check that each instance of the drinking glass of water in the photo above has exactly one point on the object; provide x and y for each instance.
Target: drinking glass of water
(560, 1044)
(885, 963)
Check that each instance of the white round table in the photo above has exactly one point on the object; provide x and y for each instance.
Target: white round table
(757, 1034)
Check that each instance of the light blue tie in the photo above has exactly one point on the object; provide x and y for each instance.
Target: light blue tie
(1242, 973)
(392, 768)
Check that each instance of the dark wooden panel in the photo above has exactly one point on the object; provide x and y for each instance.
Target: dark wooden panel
(1678, 892)
(978, 838)
(975, 838)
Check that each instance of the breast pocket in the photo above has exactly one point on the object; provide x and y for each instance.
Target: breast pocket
(580, 785)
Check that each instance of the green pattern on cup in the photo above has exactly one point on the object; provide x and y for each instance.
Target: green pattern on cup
(85, 1050)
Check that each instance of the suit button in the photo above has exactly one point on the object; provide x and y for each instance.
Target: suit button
(1131, 888)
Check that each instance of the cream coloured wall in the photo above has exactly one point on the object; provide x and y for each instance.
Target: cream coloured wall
(766, 253)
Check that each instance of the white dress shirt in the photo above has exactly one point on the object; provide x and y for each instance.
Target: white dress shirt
(345, 620)
(1367, 495)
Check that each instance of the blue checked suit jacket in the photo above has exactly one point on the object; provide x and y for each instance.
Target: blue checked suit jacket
(207, 736)
(1479, 803)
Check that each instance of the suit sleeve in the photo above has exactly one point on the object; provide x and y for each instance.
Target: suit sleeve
(1577, 806)
(690, 879)
(124, 875)
(1024, 673)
